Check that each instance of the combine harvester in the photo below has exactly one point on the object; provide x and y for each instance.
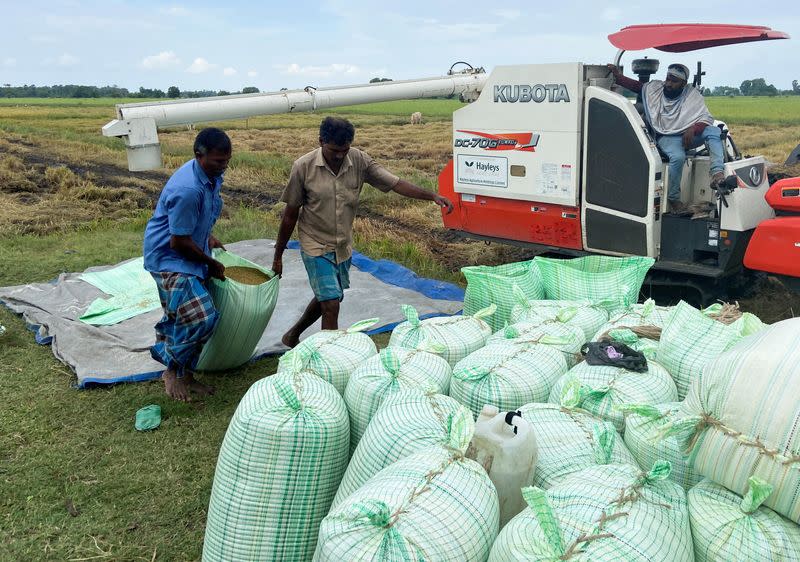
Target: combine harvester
(552, 157)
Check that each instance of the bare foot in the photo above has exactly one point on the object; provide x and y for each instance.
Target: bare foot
(197, 386)
(290, 340)
(176, 388)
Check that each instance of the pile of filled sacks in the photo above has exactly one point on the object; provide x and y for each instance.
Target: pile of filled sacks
(679, 442)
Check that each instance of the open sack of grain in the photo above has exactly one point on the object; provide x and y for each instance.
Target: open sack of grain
(487, 285)
(245, 301)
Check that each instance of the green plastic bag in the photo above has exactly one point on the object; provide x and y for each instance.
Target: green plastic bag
(726, 526)
(740, 416)
(332, 354)
(596, 278)
(689, 341)
(642, 422)
(488, 285)
(608, 513)
(600, 389)
(433, 506)
(507, 375)
(569, 440)
(278, 469)
(390, 371)
(244, 312)
(406, 423)
(460, 335)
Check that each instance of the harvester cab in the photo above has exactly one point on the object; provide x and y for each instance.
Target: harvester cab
(555, 158)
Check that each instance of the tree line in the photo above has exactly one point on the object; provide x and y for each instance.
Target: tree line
(754, 87)
(80, 91)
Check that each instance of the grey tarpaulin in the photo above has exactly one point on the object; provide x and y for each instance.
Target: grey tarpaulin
(120, 352)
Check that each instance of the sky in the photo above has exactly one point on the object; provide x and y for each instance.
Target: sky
(272, 45)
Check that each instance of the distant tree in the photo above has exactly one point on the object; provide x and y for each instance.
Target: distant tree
(706, 91)
(173, 92)
(250, 90)
(726, 91)
(376, 79)
(758, 87)
(223, 93)
(796, 87)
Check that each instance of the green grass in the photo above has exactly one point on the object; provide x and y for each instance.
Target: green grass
(779, 110)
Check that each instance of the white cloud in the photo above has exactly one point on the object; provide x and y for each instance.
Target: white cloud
(229, 71)
(9, 62)
(252, 73)
(164, 59)
(611, 14)
(174, 10)
(318, 71)
(508, 14)
(66, 59)
(200, 65)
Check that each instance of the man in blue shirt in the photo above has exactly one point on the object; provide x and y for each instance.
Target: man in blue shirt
(177, 252)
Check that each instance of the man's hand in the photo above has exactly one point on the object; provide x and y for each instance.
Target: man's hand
(214, 243)
(614, 70)
(277, 265)
(216, 269)
(688, 137)
(443, 202)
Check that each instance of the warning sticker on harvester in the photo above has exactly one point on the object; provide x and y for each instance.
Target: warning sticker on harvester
(554, 179)
(491, 171)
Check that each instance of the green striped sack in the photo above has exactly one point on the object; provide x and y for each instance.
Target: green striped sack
(642, 423)
(583, 314)
(600, 389)
(435, 505)
(690, 340)
(726, 526)
(392, 370)
(740, 417)
(745, 325)
(635, 316)
(601, 514)
(487, 285)
(460, 335)
(244, 312)
(596, 278)
(407, 422)
(280, 463)
(567, 339)
(569, 440)
(506, 375)
(332, 354)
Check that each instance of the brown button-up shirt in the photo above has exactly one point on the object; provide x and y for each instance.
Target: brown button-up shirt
(328, 202)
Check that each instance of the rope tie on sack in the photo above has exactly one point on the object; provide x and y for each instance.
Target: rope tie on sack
(627, 495)
(423, 488)
(725, 313)
(647, 331)
(707, 421)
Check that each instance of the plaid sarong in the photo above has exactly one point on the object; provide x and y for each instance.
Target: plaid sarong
(328, 279)
(189, 320)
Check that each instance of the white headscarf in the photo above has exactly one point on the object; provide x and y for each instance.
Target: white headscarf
(673, 116)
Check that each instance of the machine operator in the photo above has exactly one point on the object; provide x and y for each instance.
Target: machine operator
(678, 116)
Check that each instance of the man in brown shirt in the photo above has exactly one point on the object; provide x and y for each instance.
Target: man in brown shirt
(322, 199)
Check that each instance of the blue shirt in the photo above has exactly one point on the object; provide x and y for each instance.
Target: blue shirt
(189, 205)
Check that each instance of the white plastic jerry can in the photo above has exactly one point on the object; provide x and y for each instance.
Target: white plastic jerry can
(504, 444)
